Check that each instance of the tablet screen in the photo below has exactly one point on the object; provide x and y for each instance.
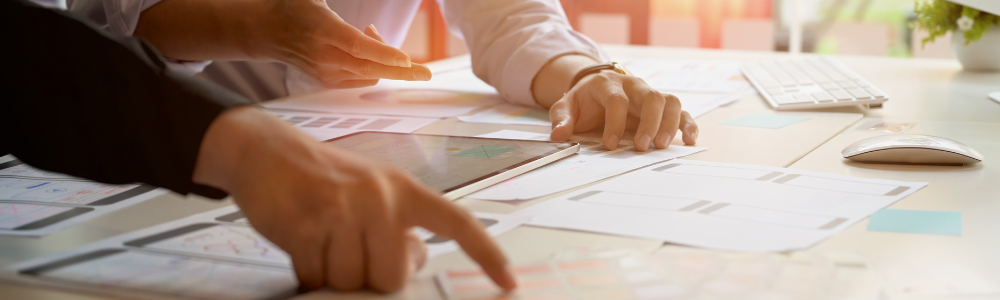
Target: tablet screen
(446, 163)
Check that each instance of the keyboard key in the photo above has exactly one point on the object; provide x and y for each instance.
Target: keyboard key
(822, 97)
(841, 95)
(860, 94)
(783, 99)
(803, 98)
(876, 93)
(849, 85)
(775, 92)
(829, 86)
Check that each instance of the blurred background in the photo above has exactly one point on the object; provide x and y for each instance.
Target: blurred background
(857, 27)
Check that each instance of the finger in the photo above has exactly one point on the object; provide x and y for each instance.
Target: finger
(563, 115)
(346, 258)
(417, 250)
(446, 219)
(351, 84)
(373, 33)
(671, 119)
(357, 44)
(309, 259)
(689, 128)
(610, 94)
(388, 256)
(650, 115)
(372, 70)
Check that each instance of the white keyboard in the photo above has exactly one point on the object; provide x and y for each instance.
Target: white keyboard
(806, 83)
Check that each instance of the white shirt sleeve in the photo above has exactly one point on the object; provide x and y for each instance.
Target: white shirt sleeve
(510, 41)
(122, 18)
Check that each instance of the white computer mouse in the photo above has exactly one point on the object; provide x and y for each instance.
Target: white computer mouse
(911, 149)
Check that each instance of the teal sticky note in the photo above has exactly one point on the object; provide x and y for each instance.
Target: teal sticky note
(916, 221)
(765, 121)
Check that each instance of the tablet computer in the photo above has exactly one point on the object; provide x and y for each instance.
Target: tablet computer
(455, 165)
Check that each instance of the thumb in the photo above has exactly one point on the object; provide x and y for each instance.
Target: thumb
(371, 32)
(563, 115)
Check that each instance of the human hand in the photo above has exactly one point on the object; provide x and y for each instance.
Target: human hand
(316, 41)
(345, 221)
(619, 102)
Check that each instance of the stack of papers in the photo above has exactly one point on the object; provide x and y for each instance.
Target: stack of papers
(722, 206)
(35, 202)
(592, 163)
(212, 255)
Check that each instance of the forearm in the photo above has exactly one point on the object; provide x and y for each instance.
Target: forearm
(201, 29)
(100, 107)
(553, 80)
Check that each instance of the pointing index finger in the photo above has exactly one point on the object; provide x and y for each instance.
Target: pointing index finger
(444, 218)
(357, 44)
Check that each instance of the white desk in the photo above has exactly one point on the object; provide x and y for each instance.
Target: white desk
(912, 84)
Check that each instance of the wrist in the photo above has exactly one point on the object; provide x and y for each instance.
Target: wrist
(553, 80)
(224, 145)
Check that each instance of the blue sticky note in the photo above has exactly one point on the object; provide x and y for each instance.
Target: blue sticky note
(765, 121)
(916, 221)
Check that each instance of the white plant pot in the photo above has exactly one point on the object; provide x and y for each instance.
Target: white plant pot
(982, 55)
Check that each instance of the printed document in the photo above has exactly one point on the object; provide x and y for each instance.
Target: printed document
(722, 206)
(327, 126)
(446, 95)
(35, 202)
(212, 255)
(592, 163)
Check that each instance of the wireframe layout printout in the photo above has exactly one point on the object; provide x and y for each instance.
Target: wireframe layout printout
(327, 126)
(722, 206)
(592, 163)
(36, 202)
(212, 255)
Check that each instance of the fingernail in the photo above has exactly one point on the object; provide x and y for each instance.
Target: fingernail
(403, 61)
(613, 141)
(694, 135)
(423, 75)
(643, 141)
(372, 26)
(670, 138)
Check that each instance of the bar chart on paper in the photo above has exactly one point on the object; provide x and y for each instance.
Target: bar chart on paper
(328, 126)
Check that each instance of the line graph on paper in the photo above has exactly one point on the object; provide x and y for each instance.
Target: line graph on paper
(227, 241)
(14, 215)
(180, 276)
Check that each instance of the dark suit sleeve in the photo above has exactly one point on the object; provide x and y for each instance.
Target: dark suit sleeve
(80, 101)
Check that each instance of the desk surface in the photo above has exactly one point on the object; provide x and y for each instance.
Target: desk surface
(921, 90)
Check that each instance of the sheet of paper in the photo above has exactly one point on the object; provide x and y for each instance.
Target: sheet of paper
(700, 104)
(916, 221)
(591, 164)
(765, 121)
(722, 206)
(495, 225)
(450, 94)
(510, 114)
(138, 264)
(702, 76)
(676, 274)
(35, 202)
(327, 126)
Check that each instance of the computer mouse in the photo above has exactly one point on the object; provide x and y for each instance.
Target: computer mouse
(995, 96)
(911, 149)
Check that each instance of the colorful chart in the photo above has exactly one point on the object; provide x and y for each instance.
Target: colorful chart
(485, 151)
(420, 96)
